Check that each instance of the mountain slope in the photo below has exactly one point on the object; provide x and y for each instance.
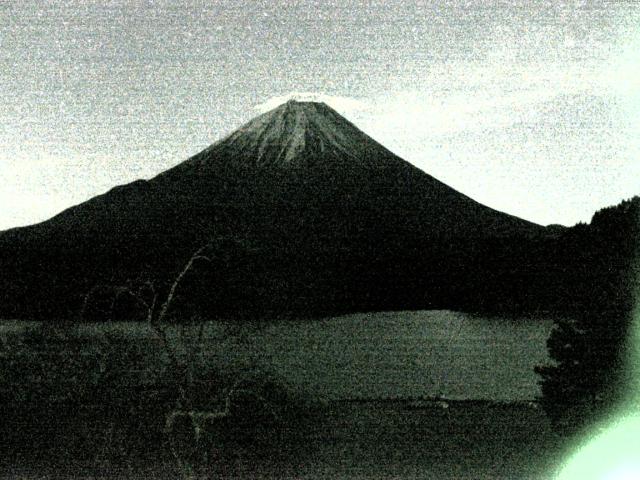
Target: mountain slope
(307, 153)
(319, 217)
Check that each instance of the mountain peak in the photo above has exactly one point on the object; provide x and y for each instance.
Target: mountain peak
(307, 109)
(293, 134)
(293, 101)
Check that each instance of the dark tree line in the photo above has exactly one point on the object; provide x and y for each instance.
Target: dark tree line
(589, 349)
(303, 270)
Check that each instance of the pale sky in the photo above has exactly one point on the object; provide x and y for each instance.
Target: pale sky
(532, 108)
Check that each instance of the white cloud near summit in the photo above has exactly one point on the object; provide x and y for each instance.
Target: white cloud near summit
(337, 102)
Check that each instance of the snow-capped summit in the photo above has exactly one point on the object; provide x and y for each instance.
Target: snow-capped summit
(296, 132)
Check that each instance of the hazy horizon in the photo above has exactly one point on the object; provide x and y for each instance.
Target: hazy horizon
(529, 108)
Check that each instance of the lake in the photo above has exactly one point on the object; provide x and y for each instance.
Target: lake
(390, 354)
(411, 354)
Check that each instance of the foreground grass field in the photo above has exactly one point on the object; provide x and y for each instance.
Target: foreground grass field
(398, 439)
(92, 401)
(371, 440)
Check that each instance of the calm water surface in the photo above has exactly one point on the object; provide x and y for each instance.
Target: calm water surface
(388, 354)
(443, 353)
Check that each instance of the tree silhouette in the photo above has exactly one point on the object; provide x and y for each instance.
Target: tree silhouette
(587, 377)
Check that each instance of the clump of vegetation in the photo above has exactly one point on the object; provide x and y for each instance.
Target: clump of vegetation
(105, 399)
(587, 379)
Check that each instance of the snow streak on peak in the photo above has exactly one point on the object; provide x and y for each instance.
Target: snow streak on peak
(298, 130)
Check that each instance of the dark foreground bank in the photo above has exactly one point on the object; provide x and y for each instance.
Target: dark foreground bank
(347, 440)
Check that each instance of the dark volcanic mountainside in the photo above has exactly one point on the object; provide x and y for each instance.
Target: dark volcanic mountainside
(318, 217)
(306, 162)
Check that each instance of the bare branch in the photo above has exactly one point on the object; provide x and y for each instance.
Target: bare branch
(152, 307)
(172, 291)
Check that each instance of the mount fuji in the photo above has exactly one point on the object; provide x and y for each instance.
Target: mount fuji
(307, 215)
